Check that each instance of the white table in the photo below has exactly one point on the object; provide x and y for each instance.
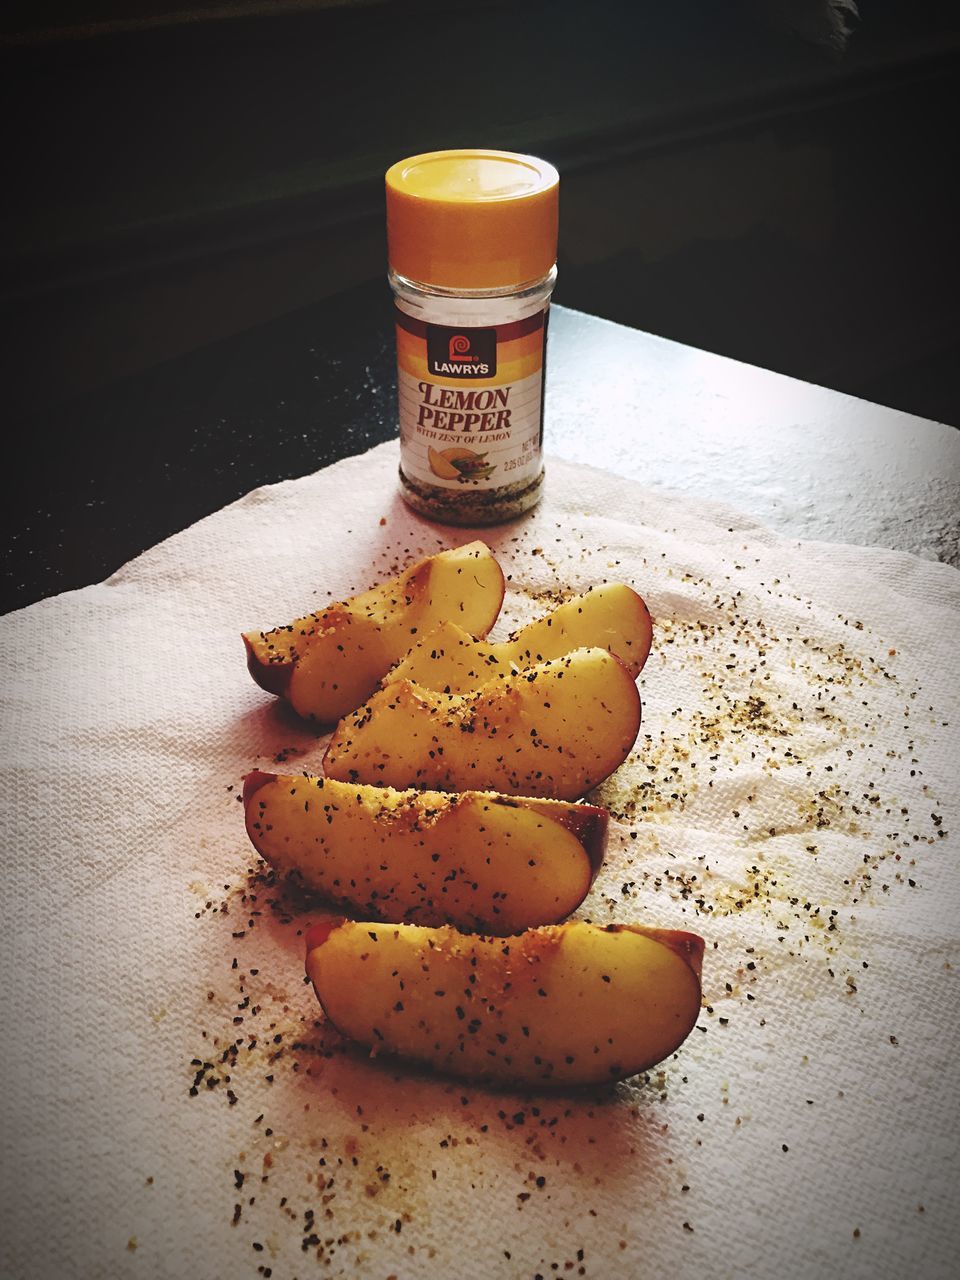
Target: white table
(807, 461)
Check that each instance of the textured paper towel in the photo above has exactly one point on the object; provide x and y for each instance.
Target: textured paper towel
(791, 797)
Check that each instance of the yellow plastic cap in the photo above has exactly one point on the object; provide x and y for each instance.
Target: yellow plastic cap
(472, 219)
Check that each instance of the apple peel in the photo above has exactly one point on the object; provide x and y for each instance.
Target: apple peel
(556, 1007)
(485, 862)
(328, 662)
(555, 731)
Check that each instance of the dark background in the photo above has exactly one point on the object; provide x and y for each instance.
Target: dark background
(191, 266)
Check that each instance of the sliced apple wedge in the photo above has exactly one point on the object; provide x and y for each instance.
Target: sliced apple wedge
(555, 730)
(569, 1004)
(612, 617)
(477, 860)
(326, 663)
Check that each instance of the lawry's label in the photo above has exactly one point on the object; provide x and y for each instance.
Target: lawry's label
(471, 402)
(461, 353)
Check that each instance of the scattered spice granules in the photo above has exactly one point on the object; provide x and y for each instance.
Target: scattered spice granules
(772, 710)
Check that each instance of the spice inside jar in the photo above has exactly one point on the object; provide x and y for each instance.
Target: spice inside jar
(472, 245)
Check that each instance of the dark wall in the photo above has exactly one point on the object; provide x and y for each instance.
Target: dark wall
(725, 182)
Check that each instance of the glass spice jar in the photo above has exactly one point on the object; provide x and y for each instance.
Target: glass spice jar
(472, 247)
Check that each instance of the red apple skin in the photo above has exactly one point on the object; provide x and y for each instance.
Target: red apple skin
(276, 676)
(253, 781)
(272, 677)
(592, 833)
(645, 628)
(588, 822)
(689, 946)
(317, 933)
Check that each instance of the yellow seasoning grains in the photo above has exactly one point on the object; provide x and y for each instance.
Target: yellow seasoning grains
(472, 245)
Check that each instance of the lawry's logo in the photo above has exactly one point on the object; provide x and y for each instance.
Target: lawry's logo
(461, 353)
(459, 348)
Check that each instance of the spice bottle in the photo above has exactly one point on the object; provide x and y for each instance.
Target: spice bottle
(472, 245)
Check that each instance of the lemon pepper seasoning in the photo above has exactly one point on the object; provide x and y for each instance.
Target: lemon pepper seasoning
(472, 246)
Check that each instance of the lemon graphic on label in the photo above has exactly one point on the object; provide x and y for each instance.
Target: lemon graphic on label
(440, 466)
(459, 464)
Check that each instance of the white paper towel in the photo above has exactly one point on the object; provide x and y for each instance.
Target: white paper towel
(791, 797)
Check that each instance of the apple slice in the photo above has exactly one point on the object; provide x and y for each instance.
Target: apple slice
(611, 617)
(564, 1005)
(326, 663)
(554, 730)
(481, 861)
